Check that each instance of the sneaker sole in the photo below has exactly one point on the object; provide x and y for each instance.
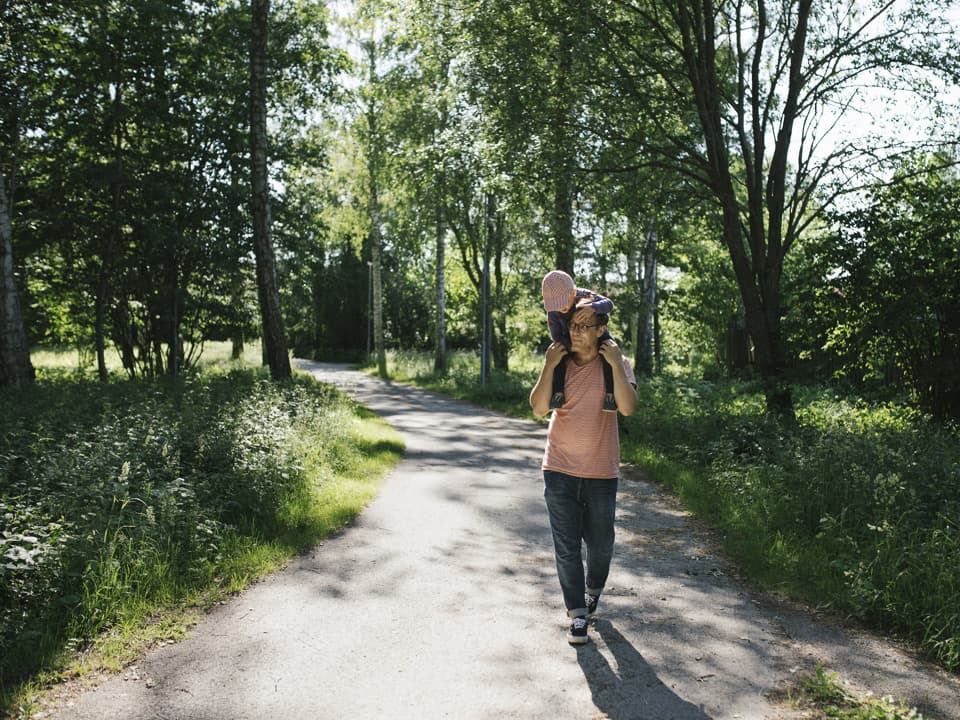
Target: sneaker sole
(577, 640)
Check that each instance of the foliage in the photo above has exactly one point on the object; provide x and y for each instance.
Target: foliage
(828, 697)
(127, 496)
(134, 177)
(705, 304)
(886, 309)
(855, 509)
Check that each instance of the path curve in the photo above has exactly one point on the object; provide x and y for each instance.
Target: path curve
(441, 601)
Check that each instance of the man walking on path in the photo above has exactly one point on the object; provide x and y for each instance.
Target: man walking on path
(581, 462)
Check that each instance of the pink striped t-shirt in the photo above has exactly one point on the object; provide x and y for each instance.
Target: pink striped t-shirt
(582, 440)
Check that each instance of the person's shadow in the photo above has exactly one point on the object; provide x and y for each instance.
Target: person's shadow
(633, 692)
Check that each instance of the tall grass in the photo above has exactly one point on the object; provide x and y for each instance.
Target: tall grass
(506, 391)
(857, 508)
(121, 499)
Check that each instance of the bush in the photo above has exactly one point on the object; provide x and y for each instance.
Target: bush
(122, 493)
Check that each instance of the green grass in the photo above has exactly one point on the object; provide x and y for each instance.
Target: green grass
(856, 509)
(506, 391)
(83, 362)
(131, 507)
(824, 696)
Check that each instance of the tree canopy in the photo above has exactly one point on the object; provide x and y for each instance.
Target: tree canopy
(725, 171)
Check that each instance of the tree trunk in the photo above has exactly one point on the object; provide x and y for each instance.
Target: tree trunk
(114, 237)
(236, 332)
(498, 327)
(100, 323)
(563, 223)
(762, 312)
(274, 335)
(373, 152)
(376, 252)
(754, 245)
(657, 341)
(631, 307)
(485, 333)
(124, 340)
(440, 346)
(15, 365)
(563, 150)
(175, 354)
(648, 306)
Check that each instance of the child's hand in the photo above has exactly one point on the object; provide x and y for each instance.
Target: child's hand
(611, 352)
(555, 354)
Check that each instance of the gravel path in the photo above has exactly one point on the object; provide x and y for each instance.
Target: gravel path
(441, 601)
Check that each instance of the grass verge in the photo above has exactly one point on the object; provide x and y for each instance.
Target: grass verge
(824, 696)
(130, 508)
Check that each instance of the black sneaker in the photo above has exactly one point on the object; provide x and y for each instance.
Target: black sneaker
(609, 403)
(592, 601)
(578, 631)
(556, 402)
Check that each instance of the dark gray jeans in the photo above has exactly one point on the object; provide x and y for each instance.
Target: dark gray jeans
(582, 514)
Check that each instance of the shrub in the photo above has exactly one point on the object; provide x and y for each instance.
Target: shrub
(121, 493)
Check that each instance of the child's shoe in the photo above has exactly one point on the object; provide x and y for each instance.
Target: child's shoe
(609, 403)
(556, 402)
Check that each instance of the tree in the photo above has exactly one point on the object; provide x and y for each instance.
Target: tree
(15, 365)
(375, 168)
(136, 177)
(22, 66)
(527, 65)
(431, 28)
(761, 79)
(274, 335)
(886, 315)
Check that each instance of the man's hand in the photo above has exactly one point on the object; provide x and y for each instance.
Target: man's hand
(540, 395)
(623, 391)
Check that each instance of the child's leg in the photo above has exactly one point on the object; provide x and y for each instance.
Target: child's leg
(559, 378)
(609, 402)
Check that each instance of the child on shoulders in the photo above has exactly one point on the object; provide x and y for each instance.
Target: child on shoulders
(560, 297)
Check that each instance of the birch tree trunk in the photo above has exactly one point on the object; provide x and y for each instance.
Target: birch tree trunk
(648, 306)
(443, 81)
(15, 365)
(631, 310)
(376, 252)
(374, 168)
(440, 346)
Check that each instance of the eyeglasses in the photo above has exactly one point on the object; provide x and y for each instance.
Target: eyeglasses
(577, 327)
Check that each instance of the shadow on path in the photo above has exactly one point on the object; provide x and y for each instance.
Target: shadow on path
(625, 686)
